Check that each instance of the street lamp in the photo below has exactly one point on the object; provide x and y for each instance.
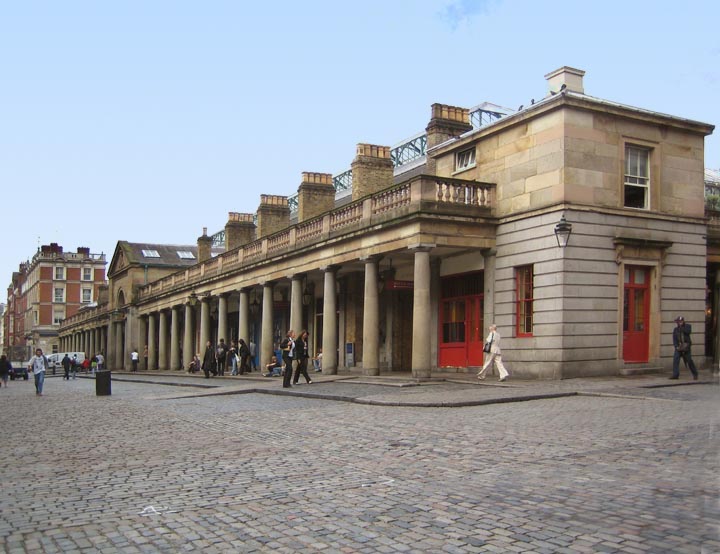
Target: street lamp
(563, 230)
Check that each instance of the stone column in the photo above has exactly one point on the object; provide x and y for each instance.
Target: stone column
(222, 318)
(142, 340)
(91, 348)
(127, 344)
(371, 319)
(119, 350)
(243, 317)
(296, 305)
(266, 328)
(110, 353)
(489, 257)
(189, 333)
(152, 342)
(175, 361)
(163, 341)
(421, 315)
(330, 339)
(204, 323)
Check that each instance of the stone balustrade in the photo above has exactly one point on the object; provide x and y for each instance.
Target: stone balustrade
(456, 196)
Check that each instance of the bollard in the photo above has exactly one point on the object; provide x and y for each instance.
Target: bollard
(103, 383)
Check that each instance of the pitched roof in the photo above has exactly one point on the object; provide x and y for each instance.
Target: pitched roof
(173, 256)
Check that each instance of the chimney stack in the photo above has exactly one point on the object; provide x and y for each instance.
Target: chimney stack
(372, 170)
(446, 122)
(239, 230)
(316, 195)
(204, 246)
(569, 76)
(273, 215)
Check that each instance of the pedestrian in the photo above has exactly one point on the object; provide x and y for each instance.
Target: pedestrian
(244, 353)
(195, 364)
(145, 358)
(101, 361)
(682, 344)
(74, 366)
(135, 359)
(233, 357)
(208, 364)
(37, 365)
(494, 354)
(221, 357)
(253, 349)
(301, 355)
(66, 363)
(288, 351)
(5, 367)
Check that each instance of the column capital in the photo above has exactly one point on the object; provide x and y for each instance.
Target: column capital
(332, 268)
(371, 258)
(293, 276)
(422, 247)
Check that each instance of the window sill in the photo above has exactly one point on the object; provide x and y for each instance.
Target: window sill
(463, 170)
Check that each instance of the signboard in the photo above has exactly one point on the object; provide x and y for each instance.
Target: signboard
(395, 284)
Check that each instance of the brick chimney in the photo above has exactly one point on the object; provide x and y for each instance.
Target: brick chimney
(569, 76)
(316, 195)
(204, 245)
(446, 122)
(84, 250)
(239, 230)
(372, 170)
(273, 215)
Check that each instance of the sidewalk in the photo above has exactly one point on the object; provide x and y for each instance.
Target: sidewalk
(400, 389)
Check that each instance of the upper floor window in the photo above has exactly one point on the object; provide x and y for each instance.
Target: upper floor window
(150, 253)
(59, 294)
(60, 273)
(58, 317)
(87, 274)
(524, 301)
(637, 177)
(86, 295)
(465, 159)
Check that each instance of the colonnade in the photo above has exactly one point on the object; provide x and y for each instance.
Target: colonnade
(173, 334)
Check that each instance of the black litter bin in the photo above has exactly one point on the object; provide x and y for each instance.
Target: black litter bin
(102, 383)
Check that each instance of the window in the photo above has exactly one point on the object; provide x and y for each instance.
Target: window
(58, 317)
(86, 295)
(465, 159)
(150, 253)
(60, 273)
(186, 255)
(59, 294)
(87, 274)
(36, 317)
(637, 177)
(524, 300)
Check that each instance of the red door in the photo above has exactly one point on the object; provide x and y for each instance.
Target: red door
(636, 310)
(461, 336)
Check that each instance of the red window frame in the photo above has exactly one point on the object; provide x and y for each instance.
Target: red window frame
(524, 279)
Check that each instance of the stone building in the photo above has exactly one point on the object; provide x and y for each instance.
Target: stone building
(576, 224)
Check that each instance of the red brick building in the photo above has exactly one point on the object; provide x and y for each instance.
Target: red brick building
(54, 285)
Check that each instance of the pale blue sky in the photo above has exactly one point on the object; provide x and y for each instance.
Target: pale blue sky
(148, 120)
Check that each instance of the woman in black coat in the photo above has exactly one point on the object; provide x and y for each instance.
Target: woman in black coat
(301, 354)
(208, 364)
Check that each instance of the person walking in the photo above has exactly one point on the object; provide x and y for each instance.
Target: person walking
(301, 354)
(253, 349)
(495, 355)
(66, 363)
(208, 365)
(145, 358)
(37, 365)
(288, 352)
(101, 361)
(135, 359)
(244, 353)
(233, 357)
(221, 357)
(5, 367)
(682, 344)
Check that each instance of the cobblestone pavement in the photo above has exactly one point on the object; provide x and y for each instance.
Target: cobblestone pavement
(628, 466)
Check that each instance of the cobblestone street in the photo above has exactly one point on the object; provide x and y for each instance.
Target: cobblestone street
(156, 468)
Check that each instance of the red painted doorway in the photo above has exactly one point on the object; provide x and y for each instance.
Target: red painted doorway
(461, 321)
(636, 314)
